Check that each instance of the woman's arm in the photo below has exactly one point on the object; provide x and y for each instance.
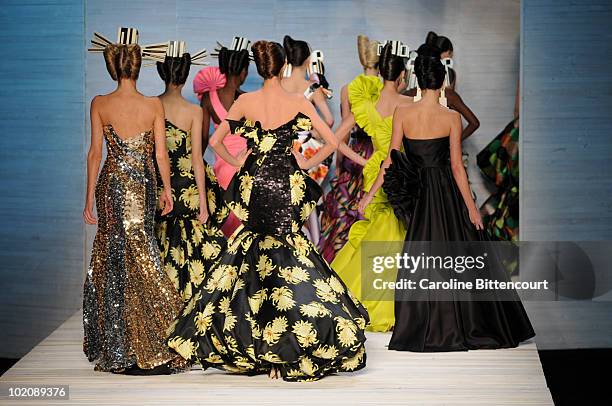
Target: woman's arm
(205, 123)
(320, 102)
(161, 156)
(459, 171)
(197, 161)
(331, 143)
(457, 104)
(216, 141)
(345, 111)
(94, 157)
(397, 137)
(342, 135)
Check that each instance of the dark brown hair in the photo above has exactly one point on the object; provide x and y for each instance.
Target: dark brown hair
(269, 58)
(123, 61)
(174, 70)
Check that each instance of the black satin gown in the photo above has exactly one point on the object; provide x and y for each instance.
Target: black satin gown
(422, 190)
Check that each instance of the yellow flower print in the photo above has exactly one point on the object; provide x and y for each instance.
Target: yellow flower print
(346, 331)
(210, 173)
(246, 184)
(307, 366)
(294, 373)
(211, 200)
(222, 278)
(190, 197)
(191, 304)
(326, 352)
(237, 286)
(305, 261)
(361, 322)
(324, 291)
(178, 256)
(196, 271)
(203, 319)
(187, 293)
(269, 243)
(305, 333)
(273, 330)
(282, 298)
(304, 124)
(174, 138)
(255, 329)
(184, 166)
(264, 266)
(350, 364)
(198, 232)
(301, 245)
(295, 227)
(185, 348)
(266, 144)
(294, 274)
(246, 242)
(240, 212)
(336, 285)
(252, 135)
(271, 357)
(218, 345)
(244, 268)
(172, 274)
(314, 309)
(214, 358)
(257, 300)
(298, 186)
(210, 249)
(230, 319)
(306, 209)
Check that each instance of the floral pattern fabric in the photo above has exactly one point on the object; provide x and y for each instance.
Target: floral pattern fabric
(188, 247)
(271, 299)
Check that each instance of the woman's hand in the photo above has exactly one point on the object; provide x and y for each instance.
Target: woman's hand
(475, 218)
(301, 161)
(203, 216)
(88, 215)
(242, 157)
(165, 201)
(364, 202)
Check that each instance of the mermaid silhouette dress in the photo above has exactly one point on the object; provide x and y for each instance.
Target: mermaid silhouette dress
(270, 299)
(188, 247)
(128, 300)
(210, 79)
(379, 226)
(421, 188)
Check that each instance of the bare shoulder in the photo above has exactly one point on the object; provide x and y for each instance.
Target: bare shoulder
(194, 110)
(405, 106)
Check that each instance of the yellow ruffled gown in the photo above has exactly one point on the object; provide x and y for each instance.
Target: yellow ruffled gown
(380, 224)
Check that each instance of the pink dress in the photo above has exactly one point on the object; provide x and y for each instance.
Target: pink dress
(210, 79)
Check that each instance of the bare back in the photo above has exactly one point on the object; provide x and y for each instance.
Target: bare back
(295, 84)
(180, 112)
(423, 121)
(271, 108)
(129, 114)
(388, 102)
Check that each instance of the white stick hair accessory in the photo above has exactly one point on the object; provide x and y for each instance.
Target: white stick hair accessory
(448, 64)
(412, 80)
(397, 48)
(238, 44)
(177, 49)
(316, 63)
(129, 36)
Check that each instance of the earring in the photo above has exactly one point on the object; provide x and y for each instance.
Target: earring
(287, 72)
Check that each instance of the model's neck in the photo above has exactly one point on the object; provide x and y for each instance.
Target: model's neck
(232, 82)
(430, 95)
(298, 71)
(126, 85)
(370, 71)
(273, 83)
(173, 91)
(389, 86)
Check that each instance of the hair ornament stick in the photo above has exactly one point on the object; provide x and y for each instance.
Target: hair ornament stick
(238, 44)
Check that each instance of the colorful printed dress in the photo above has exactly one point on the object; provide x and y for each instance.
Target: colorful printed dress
(380, 226)
(188, 247)
(271, 299)
(498, 161)
(128, 301)
(340, 203)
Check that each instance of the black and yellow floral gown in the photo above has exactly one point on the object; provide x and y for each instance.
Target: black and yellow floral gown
(188, 248)
(271, 298)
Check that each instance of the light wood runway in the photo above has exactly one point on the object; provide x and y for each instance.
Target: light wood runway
(491, 377)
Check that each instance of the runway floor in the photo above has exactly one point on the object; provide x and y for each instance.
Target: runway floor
(488, 377)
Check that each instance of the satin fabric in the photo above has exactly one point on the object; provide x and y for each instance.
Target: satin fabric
(436, 212)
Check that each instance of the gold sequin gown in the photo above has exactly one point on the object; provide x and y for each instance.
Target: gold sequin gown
(270, 298)
(188, 247)
(128, 301)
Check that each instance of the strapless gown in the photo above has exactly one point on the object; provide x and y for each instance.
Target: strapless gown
(128, 301)
(271, 299)
(421, 188)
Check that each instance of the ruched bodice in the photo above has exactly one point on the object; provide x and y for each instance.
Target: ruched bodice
(428, 152)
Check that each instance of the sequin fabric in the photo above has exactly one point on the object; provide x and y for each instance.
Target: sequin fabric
(188, 247)
(270, 299)
(128, 301)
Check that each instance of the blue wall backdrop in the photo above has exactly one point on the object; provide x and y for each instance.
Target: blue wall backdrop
(41, 168)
